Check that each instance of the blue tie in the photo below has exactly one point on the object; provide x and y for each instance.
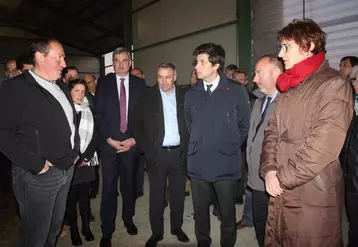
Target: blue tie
(208, 89)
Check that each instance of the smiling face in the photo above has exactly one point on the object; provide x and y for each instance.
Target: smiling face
(78, 93)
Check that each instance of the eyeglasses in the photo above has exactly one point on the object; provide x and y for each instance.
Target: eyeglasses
(284, 47)
(11, 70)
(354, 80)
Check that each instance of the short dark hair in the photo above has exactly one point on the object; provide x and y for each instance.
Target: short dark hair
(303, 32)
(215, 52)
(65, 70)
(352, 59)
(231, 67)
(240, 71)
(167, 66)
(273, 59)
(42, 46)
(22, 60)
(72, 83)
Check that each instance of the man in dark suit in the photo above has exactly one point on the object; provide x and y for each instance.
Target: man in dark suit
(164, 141)
(116, 96)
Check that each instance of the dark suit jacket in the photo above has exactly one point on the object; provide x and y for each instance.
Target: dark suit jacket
(149, 124)
(107, 110)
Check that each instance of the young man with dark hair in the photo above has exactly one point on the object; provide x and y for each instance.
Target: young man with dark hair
(229, 71)
(23, 62)
(217, 113)
(69, 73)
(347, 63)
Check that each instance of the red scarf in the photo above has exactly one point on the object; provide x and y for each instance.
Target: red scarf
(294, 76)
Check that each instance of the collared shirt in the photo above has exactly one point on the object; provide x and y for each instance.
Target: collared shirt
(126, 87)
(215, 84)
(60, 96)
(273, 97)
(171, 129)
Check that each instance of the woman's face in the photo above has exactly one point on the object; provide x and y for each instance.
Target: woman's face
(291, 53)
(78, 93)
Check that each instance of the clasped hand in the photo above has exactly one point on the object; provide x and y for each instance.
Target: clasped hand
(121, 146)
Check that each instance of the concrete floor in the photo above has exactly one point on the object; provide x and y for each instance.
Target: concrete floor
(245, 237)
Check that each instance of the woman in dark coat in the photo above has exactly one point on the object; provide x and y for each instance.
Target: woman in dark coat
(349, 160)
(84, 168)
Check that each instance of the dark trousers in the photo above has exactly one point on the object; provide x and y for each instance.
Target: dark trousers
(241, 183)
(78, 193)
(260, 201)
(352, 211)
(140, 174)
(5, 175)
(225, 191)
(169, 166)
(42, 200)
(94, 188)
(115, 166)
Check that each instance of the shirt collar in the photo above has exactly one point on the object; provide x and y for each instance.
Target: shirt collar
(215, 83)
(273, 96)
(37, 76)
(126, 78)
(165, 94)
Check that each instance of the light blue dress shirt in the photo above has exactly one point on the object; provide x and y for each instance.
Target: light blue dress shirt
(171, 130)
(273, 97)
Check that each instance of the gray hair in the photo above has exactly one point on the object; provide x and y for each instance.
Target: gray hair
(121, 50)
(353, 73)
(273, 59)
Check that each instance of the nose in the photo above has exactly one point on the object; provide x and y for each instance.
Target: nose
(280, 54)
(63, 63)
(255, 79)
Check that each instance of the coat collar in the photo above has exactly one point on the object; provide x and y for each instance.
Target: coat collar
(223, 84)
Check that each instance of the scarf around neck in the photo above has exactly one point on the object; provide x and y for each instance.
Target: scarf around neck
(85, 129)
(294, 76)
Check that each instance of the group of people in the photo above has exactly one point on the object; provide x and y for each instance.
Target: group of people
(292, 138)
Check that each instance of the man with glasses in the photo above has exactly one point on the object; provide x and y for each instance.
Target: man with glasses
(10, 69)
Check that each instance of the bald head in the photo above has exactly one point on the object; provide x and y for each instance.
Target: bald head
(267, 70)
(91, 82)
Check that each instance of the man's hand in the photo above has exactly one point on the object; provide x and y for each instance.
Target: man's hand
(126, 145)
(46, 167)
(115, 144)
(272, 184)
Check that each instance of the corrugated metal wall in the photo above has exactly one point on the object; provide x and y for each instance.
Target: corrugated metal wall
(339, 19)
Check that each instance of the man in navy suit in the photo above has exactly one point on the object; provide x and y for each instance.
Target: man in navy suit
(116, 96)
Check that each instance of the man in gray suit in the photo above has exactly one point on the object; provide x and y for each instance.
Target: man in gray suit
(267, 69)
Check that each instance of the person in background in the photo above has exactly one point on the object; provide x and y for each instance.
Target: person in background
(193, 77)
(347, 63)
(302, 143)
(69, 73)
(229, 71)
(10, 69)
(23, 62)
(267, 70)
(240, 76)
(84, 172)
(349, 160)
(137, 72)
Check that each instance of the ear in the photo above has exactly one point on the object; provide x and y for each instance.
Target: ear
(216, 66)
(175, 77)
(39, 57)
(130, 62)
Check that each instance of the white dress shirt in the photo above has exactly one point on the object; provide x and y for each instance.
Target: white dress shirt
(215, 84)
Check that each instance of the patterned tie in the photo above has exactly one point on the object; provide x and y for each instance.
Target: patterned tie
(123, 107)
(208, 89)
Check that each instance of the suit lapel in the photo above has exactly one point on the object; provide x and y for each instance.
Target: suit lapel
(160, 114)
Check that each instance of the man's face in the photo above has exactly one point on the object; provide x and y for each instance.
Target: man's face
(266, 76)
(229, 73)
(53, 63)
(137, 73)
(193, 77)
(27, 67)
(11, 70)
(345, 66)
(91, 83)
(204, 69)
(166, 78)
(291, 53)
(240, 77)
(121, 63)
(71, 75)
